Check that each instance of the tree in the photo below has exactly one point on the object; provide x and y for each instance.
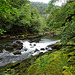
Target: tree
(50, 5)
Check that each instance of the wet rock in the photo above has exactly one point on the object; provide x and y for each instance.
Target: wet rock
(3, 37)
(49, 49)
(34, 44)
(9, 48)
(31, 37)
(25, 49)
(18, 52)
(34, 40)
(56, 47)
(46, 48)
(50, 45)
(30, 44)
(0, 51)
(12, 37)
(19, 42)
(42, 49)
(36, 50)
(17, 45)
(8, 44)
(40, 54)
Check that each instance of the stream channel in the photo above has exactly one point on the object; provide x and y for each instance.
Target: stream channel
(28, 49)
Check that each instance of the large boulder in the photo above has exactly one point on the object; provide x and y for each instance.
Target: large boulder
(17, 45)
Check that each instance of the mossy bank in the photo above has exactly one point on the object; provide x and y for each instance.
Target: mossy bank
(57, 62)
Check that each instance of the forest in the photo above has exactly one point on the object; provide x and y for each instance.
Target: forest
(41, 7)
(24, 18)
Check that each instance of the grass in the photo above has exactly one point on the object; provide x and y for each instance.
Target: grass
(59, 62)
(51, 64)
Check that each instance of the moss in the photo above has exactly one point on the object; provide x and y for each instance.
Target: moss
(69, 70)
(51, 64)
(57, 62)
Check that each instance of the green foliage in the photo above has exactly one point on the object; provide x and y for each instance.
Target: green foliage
(38, 23)
(6, 15)
(48, 64)
(50, 5)
(25, 15)
(1, 31)
(62, 19)
(41, 7)
(6, 72)
(16, 17)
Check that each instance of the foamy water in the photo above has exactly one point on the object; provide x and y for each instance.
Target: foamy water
(29, 49)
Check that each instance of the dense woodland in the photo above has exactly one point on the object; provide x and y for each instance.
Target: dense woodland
(16, 16)
(41, 7)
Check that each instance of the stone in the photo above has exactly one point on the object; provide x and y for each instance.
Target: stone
(46, 48)
(36, 50)
(49, 49)
(25, 49)
(9, 48)
(34, 44)
(17, 45)
(42, 49)
(30, 44)
(14, 45)
(19, 42)
(0, 51)
(18, 52)
(40, 54)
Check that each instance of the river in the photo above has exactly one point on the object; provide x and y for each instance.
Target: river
(28, 49)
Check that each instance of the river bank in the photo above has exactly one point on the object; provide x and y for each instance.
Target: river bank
(54, 62)
(21, 67)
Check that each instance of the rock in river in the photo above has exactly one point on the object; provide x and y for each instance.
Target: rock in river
(42, 49)
(17, 45)
(18, 52)
(9, 48)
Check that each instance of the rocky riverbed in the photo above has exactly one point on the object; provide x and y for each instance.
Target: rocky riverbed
(19, 50)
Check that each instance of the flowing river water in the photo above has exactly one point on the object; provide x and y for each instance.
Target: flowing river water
(28, 49)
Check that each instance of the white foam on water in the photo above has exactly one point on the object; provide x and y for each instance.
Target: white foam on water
(32, 49)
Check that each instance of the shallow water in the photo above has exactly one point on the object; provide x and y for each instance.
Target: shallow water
(29, 49)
